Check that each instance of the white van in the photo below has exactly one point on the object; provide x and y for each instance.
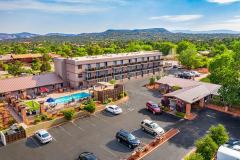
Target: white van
(228, 152)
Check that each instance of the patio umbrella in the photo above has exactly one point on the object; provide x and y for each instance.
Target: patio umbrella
(49, 100)
(44, 90)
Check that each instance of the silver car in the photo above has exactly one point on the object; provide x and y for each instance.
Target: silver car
(43, 136)
(151, 127)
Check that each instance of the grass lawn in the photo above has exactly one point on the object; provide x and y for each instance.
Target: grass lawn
(206, 79)
(33, 105)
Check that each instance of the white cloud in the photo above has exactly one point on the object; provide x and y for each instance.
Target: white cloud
(177, 18)
(223, 1)
(229, 24)
(60, 6)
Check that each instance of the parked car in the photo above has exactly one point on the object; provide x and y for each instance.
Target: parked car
(43, 136)
(195, 73)
(229, 151)
(185, 75)
(127, 138)
(153, 107)
(151, 127)
(113, 109)
(87, 156)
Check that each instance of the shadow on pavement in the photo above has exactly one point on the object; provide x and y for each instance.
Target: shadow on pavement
(116, 146)
(164, 117)
(32, 142)
(190, 131)
(142, 134)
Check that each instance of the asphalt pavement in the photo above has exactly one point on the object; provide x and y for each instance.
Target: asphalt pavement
(97, 133)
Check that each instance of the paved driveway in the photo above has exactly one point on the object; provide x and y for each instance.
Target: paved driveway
(97, 133)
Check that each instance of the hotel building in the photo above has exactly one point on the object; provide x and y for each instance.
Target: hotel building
(83, 72)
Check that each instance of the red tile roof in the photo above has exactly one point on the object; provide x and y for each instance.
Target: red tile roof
(26, 82)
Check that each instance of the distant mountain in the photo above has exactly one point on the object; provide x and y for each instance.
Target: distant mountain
(207, 32)
(60, 34)
(124, 35)
(5, 36)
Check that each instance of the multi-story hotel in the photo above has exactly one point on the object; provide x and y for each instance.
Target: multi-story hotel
(87, 71)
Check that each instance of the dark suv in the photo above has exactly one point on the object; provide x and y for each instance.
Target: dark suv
(127, 138)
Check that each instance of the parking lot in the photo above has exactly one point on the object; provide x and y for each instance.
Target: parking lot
(97, 133)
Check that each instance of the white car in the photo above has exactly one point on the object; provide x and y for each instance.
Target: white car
(113, 109)
(152, 127)
(43, 136)
(195, 73)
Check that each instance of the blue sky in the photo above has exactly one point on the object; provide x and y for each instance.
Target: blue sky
(78, 16)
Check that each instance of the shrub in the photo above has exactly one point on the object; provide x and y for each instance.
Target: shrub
(90, 107)
(194, 156)
(121, 95)
(68, 113)
(219, 134)
(113, 81)
(43, 117)
(37, 119)
(180, 114)
(158, 77)
(152, 80)
(174, 88)
(206, 147)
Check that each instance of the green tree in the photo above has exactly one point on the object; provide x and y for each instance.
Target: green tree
(183, 45)
(45, 67)
(36, 65)
(190, 58)
(15, 68)
(194, 156)
(206, 147)
(219, 134)
(165, 47)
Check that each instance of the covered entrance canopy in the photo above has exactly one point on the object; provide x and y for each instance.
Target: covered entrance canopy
(191, 91)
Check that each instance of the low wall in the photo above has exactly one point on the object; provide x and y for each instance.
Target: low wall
(16, 136)
(228, 110)
(30, 130)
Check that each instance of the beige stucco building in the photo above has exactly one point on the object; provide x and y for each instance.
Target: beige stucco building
(82, 72)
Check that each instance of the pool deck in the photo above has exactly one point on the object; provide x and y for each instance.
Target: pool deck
(57, 95)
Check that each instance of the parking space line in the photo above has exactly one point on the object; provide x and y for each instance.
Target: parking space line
(78, 126)
(54, 139)
(107, 150)
(35, 143)
(64, 130)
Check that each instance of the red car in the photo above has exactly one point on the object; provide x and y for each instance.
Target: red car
(153, 107)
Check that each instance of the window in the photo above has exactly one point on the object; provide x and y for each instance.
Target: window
(115, 63)
(98, 65)
(89, 66)
(147, 58)
(97, 73)
(79, 66)
(121, 61)
(80, 75)
(89, 75)
(129, 60)
(136, 60)
(80, 84)
(158, 57)
(142, 59)
(106, 64)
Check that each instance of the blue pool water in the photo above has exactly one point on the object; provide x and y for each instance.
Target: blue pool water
(69, 98)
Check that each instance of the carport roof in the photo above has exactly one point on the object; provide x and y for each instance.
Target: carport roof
(191, 91)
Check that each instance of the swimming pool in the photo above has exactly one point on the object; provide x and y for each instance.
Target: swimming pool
(71, 97)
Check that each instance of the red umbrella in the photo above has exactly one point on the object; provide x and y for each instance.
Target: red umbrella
(43, 89)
